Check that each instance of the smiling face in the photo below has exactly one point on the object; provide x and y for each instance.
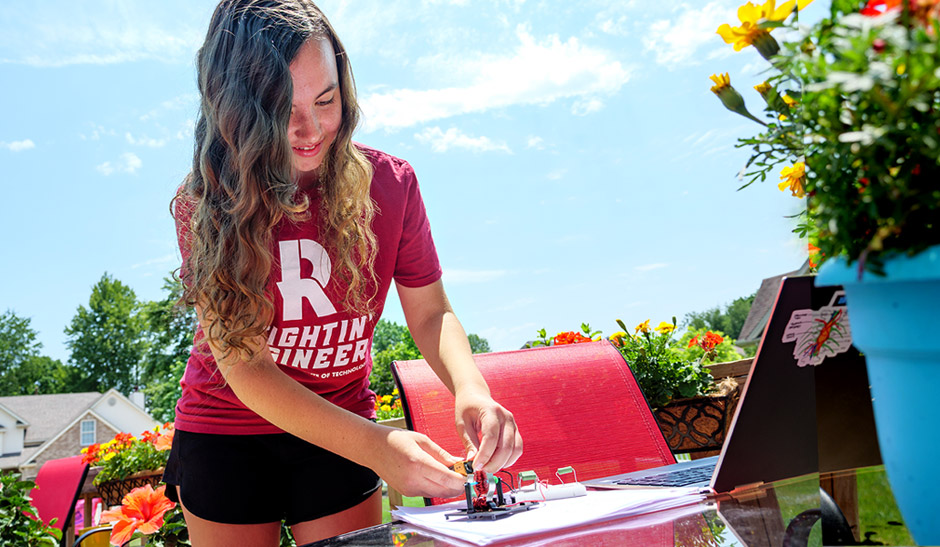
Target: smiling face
(316, 108)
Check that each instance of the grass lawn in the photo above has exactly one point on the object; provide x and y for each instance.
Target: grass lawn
(878, 510)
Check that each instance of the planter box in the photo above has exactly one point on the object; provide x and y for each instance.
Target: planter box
(112, 492)
(698, 424)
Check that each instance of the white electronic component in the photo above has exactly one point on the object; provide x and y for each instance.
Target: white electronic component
(544, 492)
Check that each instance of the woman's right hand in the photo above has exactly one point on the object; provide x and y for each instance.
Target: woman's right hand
(415, 465)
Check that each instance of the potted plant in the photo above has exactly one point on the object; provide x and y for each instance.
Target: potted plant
(127, 462)
(853, 115)
(693, 411)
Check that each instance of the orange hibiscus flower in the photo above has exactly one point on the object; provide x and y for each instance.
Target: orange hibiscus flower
(141, 511)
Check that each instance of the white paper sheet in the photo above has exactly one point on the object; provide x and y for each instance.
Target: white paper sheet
(598, 505)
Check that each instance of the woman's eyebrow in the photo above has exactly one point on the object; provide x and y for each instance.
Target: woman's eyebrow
(329, 88)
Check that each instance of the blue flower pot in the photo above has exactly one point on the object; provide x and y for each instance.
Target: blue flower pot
(895, 322)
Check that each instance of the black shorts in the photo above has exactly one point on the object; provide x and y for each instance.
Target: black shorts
(254, 479)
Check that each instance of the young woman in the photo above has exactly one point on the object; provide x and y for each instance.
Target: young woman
(291, 235)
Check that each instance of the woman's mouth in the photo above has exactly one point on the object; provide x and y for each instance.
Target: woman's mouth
(306, 151)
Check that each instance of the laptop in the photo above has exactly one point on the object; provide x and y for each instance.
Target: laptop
(774, 432)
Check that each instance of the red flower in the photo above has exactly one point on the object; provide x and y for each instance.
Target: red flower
(123, 439)
(708, 342)
(142, 510)
(711, 341)
(91, 454)
(875, 8)
(570, 337)
(922, 10)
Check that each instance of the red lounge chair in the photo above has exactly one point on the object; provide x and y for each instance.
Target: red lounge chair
(58, 486)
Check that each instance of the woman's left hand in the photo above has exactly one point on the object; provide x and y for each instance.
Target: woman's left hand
(487, 429)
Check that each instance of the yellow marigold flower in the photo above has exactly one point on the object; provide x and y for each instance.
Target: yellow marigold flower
(386, 408)
(750, 32)
(791, 102)
(108, 456)
(395, 392)
(643, 327)
(794, 178)
(762, 88)
(386, 399)
(721, 81)
(729, 96)
(664, 327)
(782, 117)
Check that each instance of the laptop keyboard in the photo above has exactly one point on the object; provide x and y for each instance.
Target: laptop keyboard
(681, 477)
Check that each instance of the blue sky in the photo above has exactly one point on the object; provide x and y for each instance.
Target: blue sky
(574, 163)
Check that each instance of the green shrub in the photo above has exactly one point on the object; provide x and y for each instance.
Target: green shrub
(19, 524)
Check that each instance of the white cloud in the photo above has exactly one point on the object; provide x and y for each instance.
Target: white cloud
(166, 259)
(586, 106)
(101, 32)
(677, 41)
(128, 163)
(144, 141)
(185, 101)
(442, 141)
(186, 130)
(535, 73)
(471, 276)
(96, 132)
(535, 142)
(557, 174)
(650, 267)
(18, 146)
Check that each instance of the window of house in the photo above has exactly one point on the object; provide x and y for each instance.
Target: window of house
(88, 433)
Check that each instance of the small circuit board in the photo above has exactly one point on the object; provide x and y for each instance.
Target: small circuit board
(487, 499)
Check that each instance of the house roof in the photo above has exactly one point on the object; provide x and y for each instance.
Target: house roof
(763, 304)
(13, 460)
(49, 414)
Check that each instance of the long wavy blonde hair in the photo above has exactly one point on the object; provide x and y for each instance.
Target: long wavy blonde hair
(242, 183)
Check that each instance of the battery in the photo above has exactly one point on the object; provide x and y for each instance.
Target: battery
(465, 468)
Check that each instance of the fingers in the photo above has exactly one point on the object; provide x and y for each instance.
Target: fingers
(429, 475)
(501, 443)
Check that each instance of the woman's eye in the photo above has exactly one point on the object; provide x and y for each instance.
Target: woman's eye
(327, 102)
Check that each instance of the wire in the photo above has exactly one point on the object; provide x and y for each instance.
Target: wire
(512, 481)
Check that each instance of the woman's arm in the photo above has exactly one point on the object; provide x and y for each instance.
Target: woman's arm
(410, 462)
(488, 430)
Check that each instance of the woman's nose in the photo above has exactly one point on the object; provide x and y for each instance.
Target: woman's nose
(307, 125)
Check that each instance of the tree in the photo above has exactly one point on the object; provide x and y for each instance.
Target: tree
(39, 374)
(390, 342)
(478, 344)
(169, 331)
(730, 321)
(23, 371)
(106, 339)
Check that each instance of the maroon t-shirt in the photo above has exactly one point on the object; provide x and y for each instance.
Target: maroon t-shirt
(312, 338)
